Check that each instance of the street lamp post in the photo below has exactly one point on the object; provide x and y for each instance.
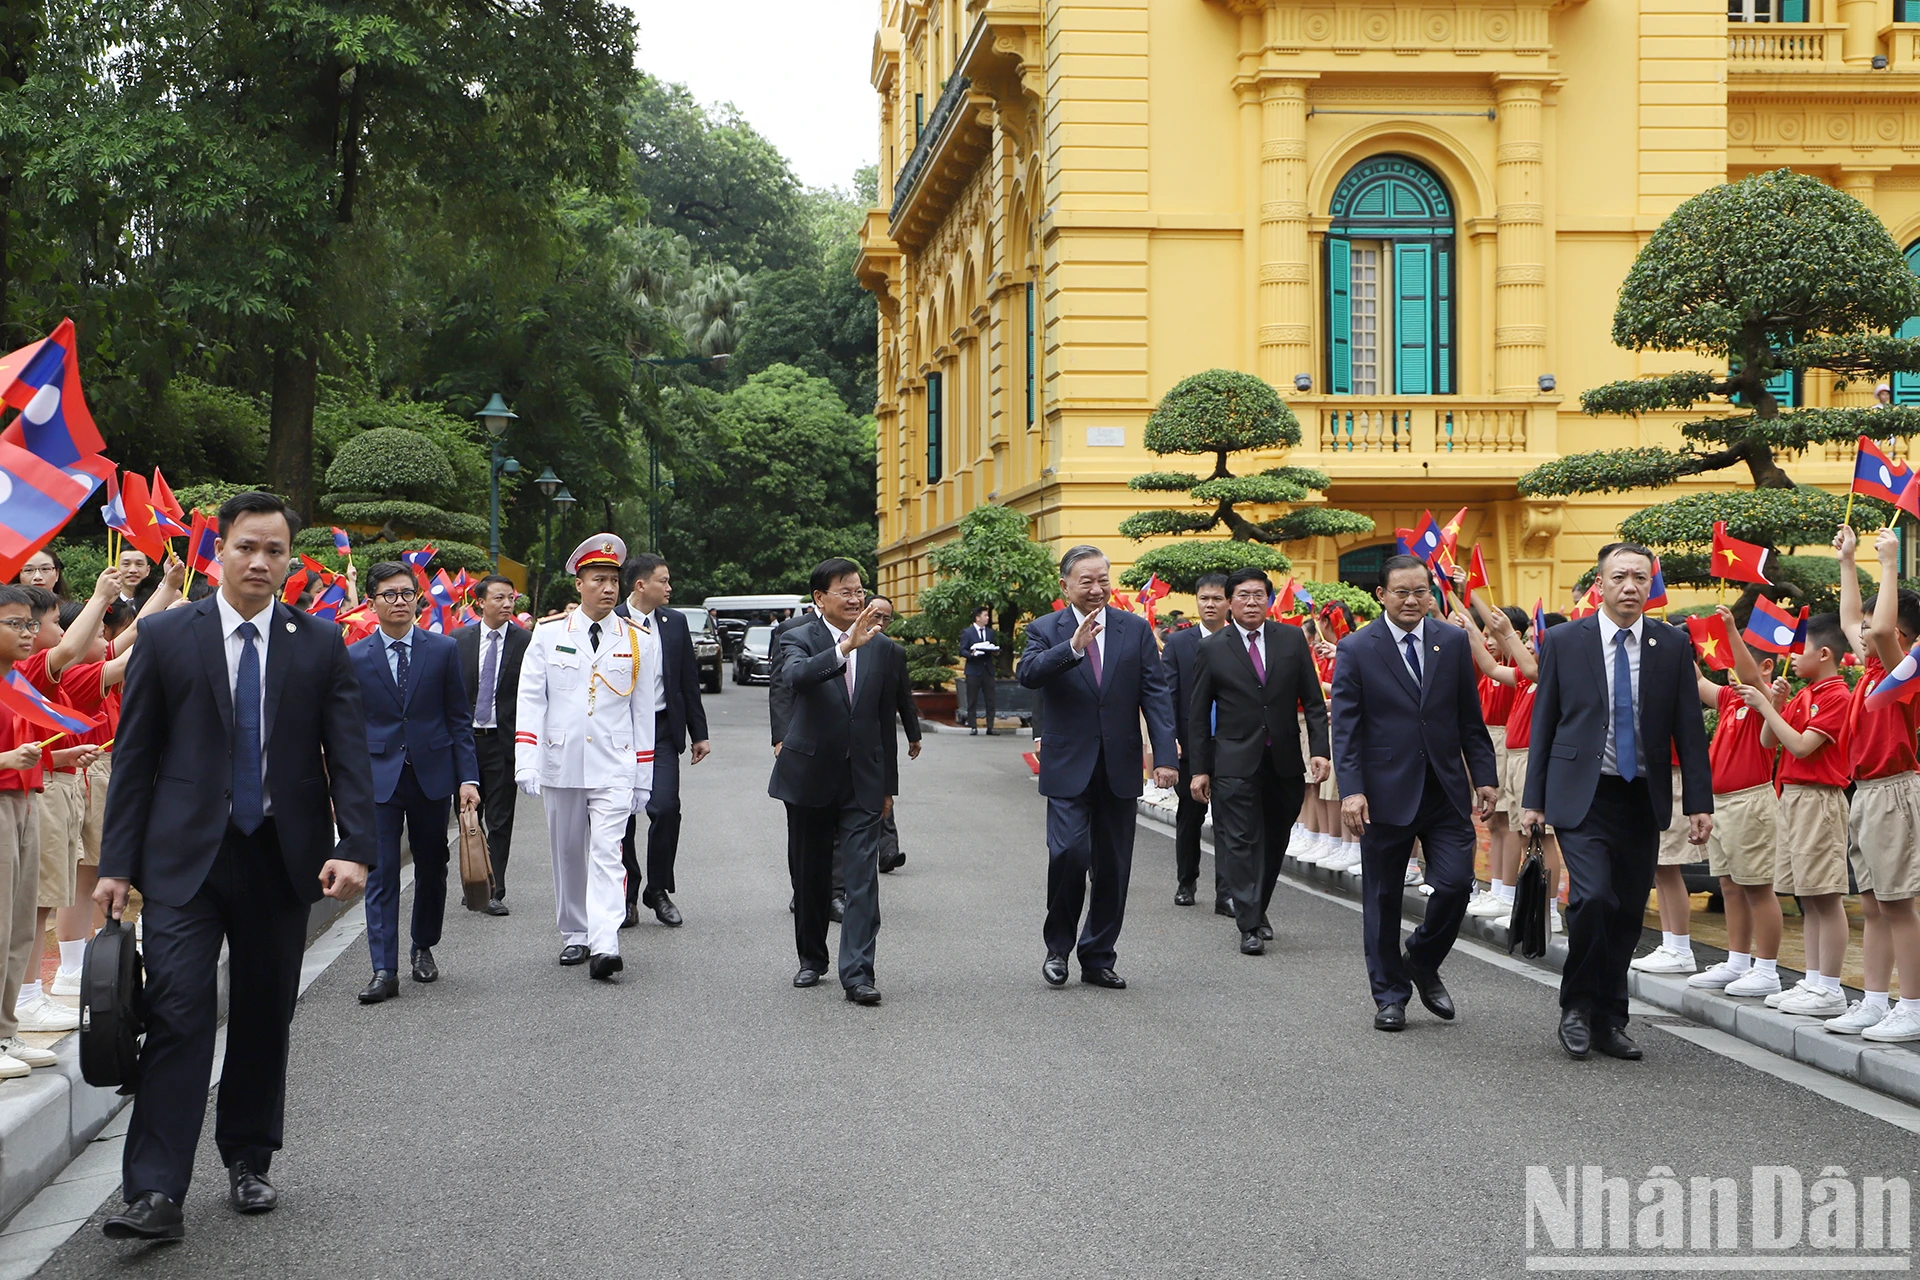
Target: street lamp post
(495, 418)
(549, 485)
(653, 438)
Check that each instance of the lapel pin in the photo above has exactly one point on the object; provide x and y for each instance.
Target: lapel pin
(1652, 641)
(289, 627)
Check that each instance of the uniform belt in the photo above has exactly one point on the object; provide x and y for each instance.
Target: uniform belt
(484, 733)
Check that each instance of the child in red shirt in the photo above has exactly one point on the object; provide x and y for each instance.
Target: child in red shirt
(20, 784)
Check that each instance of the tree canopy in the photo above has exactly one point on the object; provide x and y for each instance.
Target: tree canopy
(993, 563)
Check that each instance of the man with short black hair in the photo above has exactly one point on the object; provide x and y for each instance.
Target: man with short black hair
(1178, 657)
(977, 646)
(491, 652)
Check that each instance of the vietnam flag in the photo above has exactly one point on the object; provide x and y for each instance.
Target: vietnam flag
(163, 499)
(1333, 622)
(1709, 633)
(1773, 630)
(1476, 575)
(1738, 561)
(1282, 603)
(1450, 535)
(1589, 603)
(296, 583)
(143, 528)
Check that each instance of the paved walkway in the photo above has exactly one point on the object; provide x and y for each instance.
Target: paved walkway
(1228, 1115)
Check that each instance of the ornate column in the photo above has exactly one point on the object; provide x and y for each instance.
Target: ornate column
(1520, 240)
(1286, 280)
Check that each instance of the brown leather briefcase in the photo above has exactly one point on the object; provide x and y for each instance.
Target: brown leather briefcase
(476, 869)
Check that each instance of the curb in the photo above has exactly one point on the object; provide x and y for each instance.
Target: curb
(1892, 1069)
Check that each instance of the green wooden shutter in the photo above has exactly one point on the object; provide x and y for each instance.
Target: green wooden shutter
(1793, 10)
(1781, 387)
(1907, 11)
(1906, 386)
(1443, 319)
(934, 416)
(1030, 338)
(1413, 319)
(1339, 316)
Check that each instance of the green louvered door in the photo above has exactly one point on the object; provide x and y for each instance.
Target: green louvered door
(1340, 315)
(1413, 355)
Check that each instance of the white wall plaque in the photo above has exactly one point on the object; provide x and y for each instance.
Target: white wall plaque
(1106, 437)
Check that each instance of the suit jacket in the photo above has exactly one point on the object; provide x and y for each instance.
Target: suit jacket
(1387, 732)
(779, 692)
(830, 741)
(168, 808)
(898, 698)
(970, 637)
(1252, 714)
(1572, 709)
(513, 648)
(1178, 657)
(686, 716)
(1085, 720)
(431, 728)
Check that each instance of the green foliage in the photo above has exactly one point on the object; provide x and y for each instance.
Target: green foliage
(1311, 478)
(1178, 564)
(1315, 522)
(1234, 490)
(994, 563)
(1648, 395)
(1164, 481)
(392, 460)
(1803, 428)
(1854, 355)
(1609, 471)
(1145, 524)
(931, 655)
(1358, 599)
(210, 496)
(1797, 517)
(81, 563)
(417, 519)
(1221, 411)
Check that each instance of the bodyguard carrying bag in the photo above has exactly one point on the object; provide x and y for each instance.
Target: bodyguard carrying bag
(1527, 932)
(476, 869)
(111, 1014)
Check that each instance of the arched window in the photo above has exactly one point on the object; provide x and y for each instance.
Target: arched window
(1390, 262)
(1906, 386)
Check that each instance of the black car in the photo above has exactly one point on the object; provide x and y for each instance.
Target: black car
(706, 647)
(753, 665)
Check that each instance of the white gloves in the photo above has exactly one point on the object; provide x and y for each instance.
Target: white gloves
(640, 795)
(528, 784)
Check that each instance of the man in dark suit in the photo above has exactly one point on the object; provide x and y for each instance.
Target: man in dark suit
(1099, 671)
(420, 737)
(1617, 699)
(1413, 756)
(242, 747)
(1257, 676)
(831, 770)
(977, 645)
(779, 713)
(1178, 657)
(890, 858)
(678, 715)
(490, 657)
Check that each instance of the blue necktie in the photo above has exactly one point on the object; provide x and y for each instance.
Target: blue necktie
(1624, 750)
(489, 676)
(400, 662)
(1413, 657)
(249, 804)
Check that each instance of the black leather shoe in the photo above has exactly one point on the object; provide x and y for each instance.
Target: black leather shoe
(1250, 944)
(973, 733)
(424, 969)
(575, 954)
(864, 993)
(1433, 992)
(836, 909)
(890, 865)
(1054, 970)
(385, 986)
(806, 977)
(1223, 906)
(1266, 932)
(1103, 978)
(251, 1191)
(993, 733)
(1576, 1032)
(604, 967)
(664, 911)
(149, 1216)
(632, 918)
(1183, 896)
(495, 907)
(1391, 1017)
(1614, 1042)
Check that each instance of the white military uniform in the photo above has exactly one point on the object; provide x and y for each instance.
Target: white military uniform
(584, 744)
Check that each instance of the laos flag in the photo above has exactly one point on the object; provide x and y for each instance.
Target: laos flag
(36, 500)
(1772, 629)
(43, 382)
(1897, 685)
(1877, 475)
(18, 695)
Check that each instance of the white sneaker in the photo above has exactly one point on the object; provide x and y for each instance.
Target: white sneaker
(1858, 1017)
(1310, 849)
(1347, 858)
(1487, 904)
(1814, 1004)
(1665, 960)
(1414, 876)
(1721, 975)
(46, 1015)
(1773, 1001)
(1754, 982)
(1555, 924)
(12, 1068)
(1899, 1025)
(1505, 921)
(20, 1051)
(66, 982)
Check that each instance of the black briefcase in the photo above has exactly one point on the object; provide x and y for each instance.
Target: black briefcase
(111, 1019)
(1527, 930)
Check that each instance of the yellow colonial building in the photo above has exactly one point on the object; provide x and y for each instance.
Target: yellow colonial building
(1411, 217)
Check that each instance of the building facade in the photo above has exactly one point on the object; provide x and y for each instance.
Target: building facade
(1411, 217)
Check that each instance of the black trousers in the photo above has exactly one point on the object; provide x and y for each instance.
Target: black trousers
(663, 822)
(1252, 823)
(980, 692)
(247, 902)
(1089, 862)
(814, 831)
(1610, 858)
(1188, 821)
(497, 792)
(1447, 839)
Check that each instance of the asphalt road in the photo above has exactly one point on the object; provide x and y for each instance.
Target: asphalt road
(1227, 1115)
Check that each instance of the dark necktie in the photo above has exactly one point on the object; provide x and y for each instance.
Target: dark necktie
(593, 636)
(249, 803)
(1093, 653)
(400, 665)
(489, 676)
(1624, 748)
(1413, 656)
(1253, 651)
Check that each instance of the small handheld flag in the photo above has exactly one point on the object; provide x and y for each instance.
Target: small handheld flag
(36, 501)
(1403, 542)
(1709, 635)
(1899, 684)
(1772, 629)
(1589, 603)
(18, 695)
(1737, 561)
(163, 499)
(296, 583)
(1476, 575)
(1657, 589)
(1877, 475)
(1426, 538)
(42, 380)
(1539, 624)
(340, 542)
(201, 536)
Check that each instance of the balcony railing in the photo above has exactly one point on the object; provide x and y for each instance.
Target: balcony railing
(1375, 426)
(1783, 46)
(950, 99)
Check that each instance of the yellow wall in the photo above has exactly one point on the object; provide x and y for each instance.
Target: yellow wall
(1161, 172)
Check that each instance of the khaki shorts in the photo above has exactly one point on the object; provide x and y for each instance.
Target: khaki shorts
(1882, 829)
(1513, 786)
(1745, 828)
(97, 774)
(63, 811)
(1674, 849)
(1810, 848)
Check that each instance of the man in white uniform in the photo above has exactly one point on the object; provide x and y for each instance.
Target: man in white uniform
(584, 743)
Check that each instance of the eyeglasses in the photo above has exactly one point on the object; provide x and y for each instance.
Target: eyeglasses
(22, 626)
(1417, 593)
(398, 597)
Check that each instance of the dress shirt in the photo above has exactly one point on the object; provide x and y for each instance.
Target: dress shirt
(393, 659)
(1255, 640)
(1608, 762)
(851, 671)
(1099, 640)
(494, 636)
(652, 649)
(1400, 644)
(230, 621)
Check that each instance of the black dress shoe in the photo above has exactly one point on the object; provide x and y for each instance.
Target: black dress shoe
(495, 907)
(148, 1216)
(251, 1191)
(1250, 944)
(806, 977)
(604, 967)
(890, 865)
(1433, 992)
(1614, 1042)
(1266, 932)
(1183, 896)
(1103, 978)
(632, 918)
(1054, 970)
(575, 954)
(664, 911)
(991, 733)
(973, 733)
(1576, 1032)
(424, 969)
(836, 909)
(864, 993)
(1223, 906)
(385, 986)
(1391, 1016)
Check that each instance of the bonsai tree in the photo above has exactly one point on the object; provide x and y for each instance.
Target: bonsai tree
(993, 563)
(1770, 276)
(931, 651)
(1221, 412)
(388, 484)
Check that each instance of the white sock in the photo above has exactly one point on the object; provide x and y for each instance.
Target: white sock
(1739, 961)
(71, 954)
(1910, 1006)
(1813, 981)
(29, 992)
(1765, 965)
(1830, 985)
(1666, 941)
(1504, 891)
(1682, 943)
(1877, 1000)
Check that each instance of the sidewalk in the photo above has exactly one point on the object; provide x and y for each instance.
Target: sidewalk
(1891, 1069)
